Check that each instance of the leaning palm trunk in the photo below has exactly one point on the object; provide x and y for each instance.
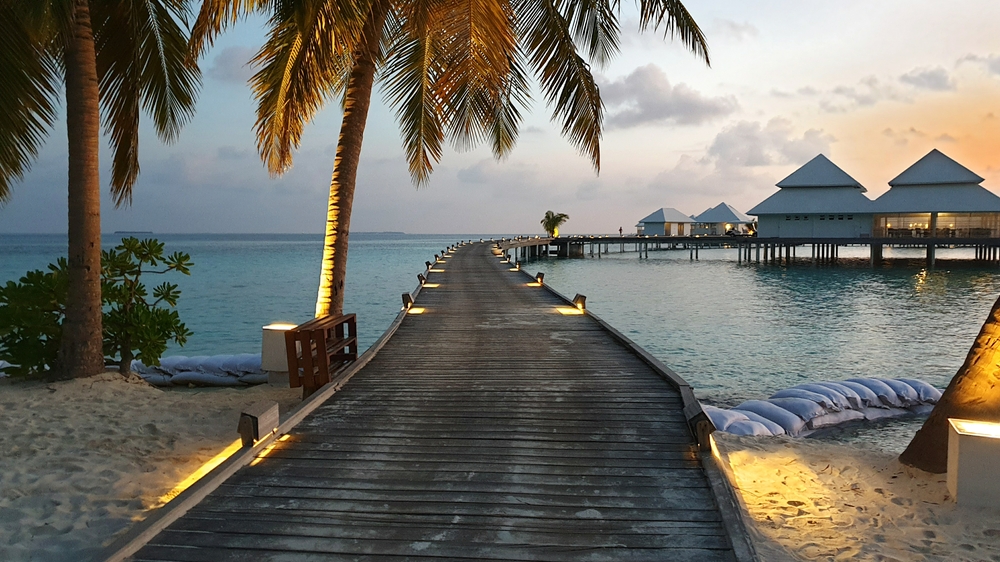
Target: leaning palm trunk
(81, 353)
(974, 393)
(330, 299)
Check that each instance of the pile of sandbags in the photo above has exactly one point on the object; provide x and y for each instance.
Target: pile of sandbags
(215, 370)
(807, 407)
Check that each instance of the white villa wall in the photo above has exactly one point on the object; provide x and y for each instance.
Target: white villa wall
(842, 225)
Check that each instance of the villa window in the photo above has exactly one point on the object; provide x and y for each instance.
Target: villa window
(822, 217)
(788, 217)
(796, 217)
(831, 217)
(850, 217)
(840, 217)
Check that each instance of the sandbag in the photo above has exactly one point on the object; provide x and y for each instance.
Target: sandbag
(835, 418)
(772, 427)
(156, 378)
(817, 398)
(200, 378)
(721, 419)
(927, 393)
(801, 407)
(838, 399)
(791, 423)
(868, 398)
(905, 392)
(242, 363)
(852, 396)
(880, 413)
(212, 364)
(885, 393)
(253, 378)
(748, 427)
(922, 409)
(180, 363)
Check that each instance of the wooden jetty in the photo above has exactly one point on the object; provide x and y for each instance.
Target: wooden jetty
(494, 421)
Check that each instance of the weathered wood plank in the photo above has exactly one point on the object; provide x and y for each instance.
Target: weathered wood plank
(491, 427)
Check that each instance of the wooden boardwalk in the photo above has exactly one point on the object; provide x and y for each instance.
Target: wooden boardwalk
(490, 427)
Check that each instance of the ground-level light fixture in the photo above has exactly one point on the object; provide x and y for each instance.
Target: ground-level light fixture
(421, 279)
(517, 265)
(540, 277)
(973, 454)
(407, 301)
(428, 264)
(580, 301)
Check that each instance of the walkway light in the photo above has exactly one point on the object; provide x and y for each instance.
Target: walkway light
(539, 277)
(517, 265)
(407, 301)
(421, 278)
(973, 452)
(580, 301)
(428, 264)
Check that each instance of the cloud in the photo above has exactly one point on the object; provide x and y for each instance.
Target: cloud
(750, 144)
(867, 92)
(232, 64)
(735, 30)
(990, 62)
(646, 96)
(936, 79)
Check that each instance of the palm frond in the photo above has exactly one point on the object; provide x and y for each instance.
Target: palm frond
(142, 60)
(595, 24)
(305, 60)
(564, 76)
(216, 16)
(676, 21)
(411, 73)
(28, 92)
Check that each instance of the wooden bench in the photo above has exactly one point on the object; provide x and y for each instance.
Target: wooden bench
(318, 349)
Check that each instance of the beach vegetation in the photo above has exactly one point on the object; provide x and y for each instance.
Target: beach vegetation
(134, 326)
(457, 71)
(31, 317)
(552, 221)
(33, 310)
(972, 394)
(113, 60)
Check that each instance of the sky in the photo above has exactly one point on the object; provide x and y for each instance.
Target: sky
(872, 85)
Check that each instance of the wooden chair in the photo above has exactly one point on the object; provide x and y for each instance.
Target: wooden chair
(319, 348)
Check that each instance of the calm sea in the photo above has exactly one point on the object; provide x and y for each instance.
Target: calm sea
(735, 332)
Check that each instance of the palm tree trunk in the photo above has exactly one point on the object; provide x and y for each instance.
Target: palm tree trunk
(330, 299)
(974, 393)
(80, 353)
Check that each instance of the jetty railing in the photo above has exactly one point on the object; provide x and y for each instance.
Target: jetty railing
(318, 348)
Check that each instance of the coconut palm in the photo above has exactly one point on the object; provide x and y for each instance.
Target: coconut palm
(451, 69)
(112, 57)
(552, 221)
(971, 394)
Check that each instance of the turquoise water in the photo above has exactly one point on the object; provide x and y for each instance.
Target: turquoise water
(734, 331)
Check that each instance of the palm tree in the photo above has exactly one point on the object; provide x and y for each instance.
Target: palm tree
(112, 57)
(971, 394)
(553, 221)
(451, 69)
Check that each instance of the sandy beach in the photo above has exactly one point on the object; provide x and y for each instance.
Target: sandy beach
(815, 500)
(84, 459)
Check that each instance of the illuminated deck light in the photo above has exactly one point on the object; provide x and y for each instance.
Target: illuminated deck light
(580, 301)
(437, 270)
(568, 310)
(407, 301)
(431, 285)
(416, 310)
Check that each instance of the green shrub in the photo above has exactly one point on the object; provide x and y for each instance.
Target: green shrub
(31, 316)
(32, 310)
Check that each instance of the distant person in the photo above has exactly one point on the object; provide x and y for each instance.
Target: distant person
(620, 232)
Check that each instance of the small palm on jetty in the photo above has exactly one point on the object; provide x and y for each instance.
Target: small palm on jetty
(452, 70)
(552, 221)
(113, 58)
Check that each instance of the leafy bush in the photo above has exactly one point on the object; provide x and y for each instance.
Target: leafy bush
(133, 326)
(31, 316)
(32, 310)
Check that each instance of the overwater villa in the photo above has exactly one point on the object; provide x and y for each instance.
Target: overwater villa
(665, 222)
(719, 220)
(936, 197)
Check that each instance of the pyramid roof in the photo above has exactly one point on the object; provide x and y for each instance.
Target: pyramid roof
(818, 200)
(820, 172)
(666, 214)
(723, 213)
(935, 169)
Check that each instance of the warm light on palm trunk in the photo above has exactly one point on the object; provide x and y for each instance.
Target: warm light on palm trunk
(974, 394)
(330, 298)
(81, 353)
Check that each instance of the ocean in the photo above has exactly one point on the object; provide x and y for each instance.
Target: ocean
(734, 331)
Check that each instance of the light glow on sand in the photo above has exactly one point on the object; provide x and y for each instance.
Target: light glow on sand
(976, 428)
(204, 469)
(416, 310)
(568, 311)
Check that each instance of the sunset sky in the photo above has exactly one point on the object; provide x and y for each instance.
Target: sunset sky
(873, 85)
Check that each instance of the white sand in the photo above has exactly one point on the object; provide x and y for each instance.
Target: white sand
(813, 500)
(82, 460)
